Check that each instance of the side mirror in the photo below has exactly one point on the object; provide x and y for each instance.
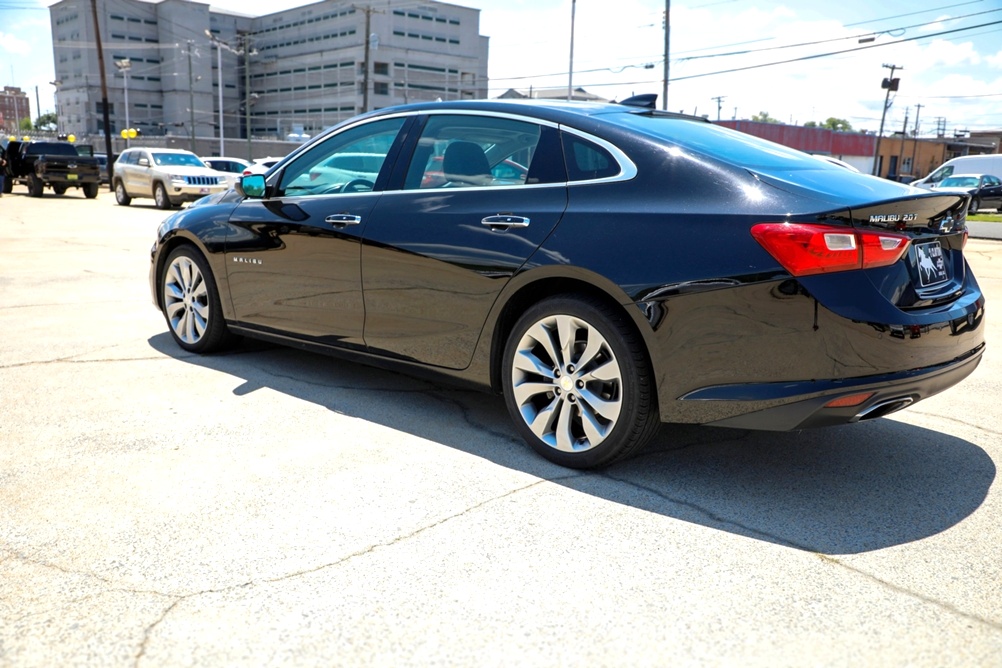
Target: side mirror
(144, 162)
(251, 185)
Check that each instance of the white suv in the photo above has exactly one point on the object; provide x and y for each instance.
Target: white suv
(169, 176)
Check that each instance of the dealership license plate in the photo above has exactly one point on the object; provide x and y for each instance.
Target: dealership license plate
(71, 177)
(203, 191)
(931, 263)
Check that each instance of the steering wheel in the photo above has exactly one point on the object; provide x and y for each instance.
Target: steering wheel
(358, 186)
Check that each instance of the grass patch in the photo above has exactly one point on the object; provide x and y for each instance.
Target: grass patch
(986, 218)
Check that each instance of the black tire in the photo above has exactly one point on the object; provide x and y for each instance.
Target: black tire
(190, 301)
(59, 189)
(8, 185)
(121, 196)
(91, 190)
(567, 412)
(35, 185)
(160, 196)
(974, 206)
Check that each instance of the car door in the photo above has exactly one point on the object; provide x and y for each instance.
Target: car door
(293, 264)
(442, 243)
(991, 189)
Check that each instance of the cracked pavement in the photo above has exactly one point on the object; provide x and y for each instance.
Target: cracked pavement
(272, 507)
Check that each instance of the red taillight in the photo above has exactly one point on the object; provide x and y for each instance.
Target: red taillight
(808, 248)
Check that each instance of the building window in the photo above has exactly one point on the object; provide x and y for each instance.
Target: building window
(382, 68)
(381, 88)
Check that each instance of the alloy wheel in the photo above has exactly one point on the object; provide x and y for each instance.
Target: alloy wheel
(186, 300)
(567, 383)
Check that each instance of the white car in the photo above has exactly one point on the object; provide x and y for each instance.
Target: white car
(261, 165)
(169, 176)
(233, 168)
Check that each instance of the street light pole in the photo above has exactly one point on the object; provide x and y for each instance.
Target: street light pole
(191, 99)
(124, 66)
(219, 78)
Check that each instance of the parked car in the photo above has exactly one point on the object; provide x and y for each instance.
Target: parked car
(102, 163)
(985, 190)
(50, 164)
(170, 176)
(652, 267)
(965, 164)
(261, 165)
(232, 167)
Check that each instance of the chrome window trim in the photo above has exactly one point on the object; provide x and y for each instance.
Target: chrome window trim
(627, 168)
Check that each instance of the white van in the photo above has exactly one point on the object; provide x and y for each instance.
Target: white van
(966, 164)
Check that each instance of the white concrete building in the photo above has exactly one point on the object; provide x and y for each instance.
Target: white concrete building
(300, 70)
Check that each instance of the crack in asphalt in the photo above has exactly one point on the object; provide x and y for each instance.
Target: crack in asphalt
(965, 423)
(781, 540)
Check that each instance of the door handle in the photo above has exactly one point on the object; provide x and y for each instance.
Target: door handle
(505, 221)
(343, 219)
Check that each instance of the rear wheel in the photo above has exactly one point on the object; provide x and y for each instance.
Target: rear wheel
(577, 383)
(191, 302)
(974, 206)
(121, 196)
(35, 185)
(8, 185)
(160, 196)
(91, 189)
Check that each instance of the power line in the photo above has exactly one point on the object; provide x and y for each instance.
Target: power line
(834, 53)
(838, 39)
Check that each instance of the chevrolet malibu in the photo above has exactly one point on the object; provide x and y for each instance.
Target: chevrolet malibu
(638, 268)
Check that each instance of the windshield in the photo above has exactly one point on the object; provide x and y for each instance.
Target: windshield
(178, 159)
(960, 182)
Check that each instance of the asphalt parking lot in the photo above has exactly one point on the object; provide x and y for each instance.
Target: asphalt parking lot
(273, 507)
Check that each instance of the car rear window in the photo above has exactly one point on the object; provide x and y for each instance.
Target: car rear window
(719, 142)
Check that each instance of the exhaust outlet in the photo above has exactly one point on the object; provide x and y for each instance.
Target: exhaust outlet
(883, 408)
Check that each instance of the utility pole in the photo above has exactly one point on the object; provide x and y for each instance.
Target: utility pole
(570, 67)
(104, 93)
(901, 149)
(889, 84)
(918, 108)
(719, 99)
(365, 75)
(664, 85)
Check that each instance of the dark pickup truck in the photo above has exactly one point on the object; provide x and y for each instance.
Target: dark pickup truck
(55, 164)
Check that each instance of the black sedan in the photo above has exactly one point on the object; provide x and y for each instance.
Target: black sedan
(639, 267)
(985, 190)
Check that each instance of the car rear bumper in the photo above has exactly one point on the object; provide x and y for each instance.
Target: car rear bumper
(791, 410)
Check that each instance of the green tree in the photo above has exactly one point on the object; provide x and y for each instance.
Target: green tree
(47, 121)
(25, 125)
(837, 124)
(810, 124)
(764, 117)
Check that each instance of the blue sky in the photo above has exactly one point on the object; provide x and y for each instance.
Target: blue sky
(950, 67)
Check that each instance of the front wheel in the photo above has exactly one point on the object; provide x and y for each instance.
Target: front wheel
(91, 190)
(121, 196)
(191, 302)
(35, 185)
(59, 189)
(974, 206)
(577, 383)
(160, 196)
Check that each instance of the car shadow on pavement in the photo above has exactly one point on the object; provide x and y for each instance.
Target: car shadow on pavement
(838, 490)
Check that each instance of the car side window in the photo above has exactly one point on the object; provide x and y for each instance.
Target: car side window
(587, 161)
(127, 158)
(350, 161)
(471, 151)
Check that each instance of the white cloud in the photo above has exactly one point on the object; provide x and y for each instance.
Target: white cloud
(14, 45)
